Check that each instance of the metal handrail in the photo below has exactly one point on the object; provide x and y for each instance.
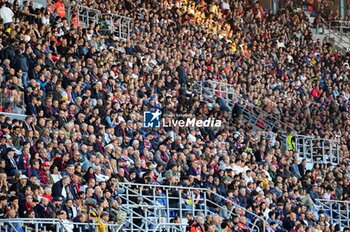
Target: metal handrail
(316, 150)
(126, 186)
(333, 31)
(140, 195)
(13, 227)
(160, 225)
(39, 222)
(46, 220)
(87, 15)
(338, 210)
(228, 95)
(138, 216)
(333, 201)
(151, 218)
(340, 21)
(117, 23)
(324, 139)
(62, 226)
(340, 27)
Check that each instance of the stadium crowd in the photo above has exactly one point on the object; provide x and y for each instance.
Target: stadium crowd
(85, 93)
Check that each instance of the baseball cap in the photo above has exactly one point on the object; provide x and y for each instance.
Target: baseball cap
(46, 164)
(23, 177)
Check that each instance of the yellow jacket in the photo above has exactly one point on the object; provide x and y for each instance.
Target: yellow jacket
(101, 227)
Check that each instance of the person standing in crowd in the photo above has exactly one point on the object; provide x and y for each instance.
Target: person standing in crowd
(6, 15)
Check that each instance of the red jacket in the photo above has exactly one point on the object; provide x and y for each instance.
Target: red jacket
(44, 177)
(197, 228)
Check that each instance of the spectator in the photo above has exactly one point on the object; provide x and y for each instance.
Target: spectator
(3, 202)
(61, 188)
(11, 165)
(42, 210)
(6, 14)
(102, 223)
(289, 222)
(68, 225)
(82, 218)
(197, 225)
(34, 170)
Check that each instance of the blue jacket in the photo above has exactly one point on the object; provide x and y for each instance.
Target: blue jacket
(35, 172)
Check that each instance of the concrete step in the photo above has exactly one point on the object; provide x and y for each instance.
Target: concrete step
(339, 41)
(308, 15)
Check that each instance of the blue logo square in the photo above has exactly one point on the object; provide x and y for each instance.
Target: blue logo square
(151, 119)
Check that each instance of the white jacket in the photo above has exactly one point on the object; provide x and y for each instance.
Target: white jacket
(6, 14)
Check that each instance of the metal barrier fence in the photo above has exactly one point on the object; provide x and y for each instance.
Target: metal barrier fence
(12, 101)
(83, 16)
(144, 214)
(341, 25)
(339, 211)
(337, 33)
(113, 23)
(54, 225)
(173, 227)
(315, 150)
(259, 118)
(168, 201)
(20, 117)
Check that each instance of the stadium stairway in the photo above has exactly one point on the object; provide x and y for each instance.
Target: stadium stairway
(307, 147)
(329, 33)
(227, 95)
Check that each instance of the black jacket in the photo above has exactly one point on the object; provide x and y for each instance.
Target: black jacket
(57, 189)
(42, 211)
(10, 166)
(182, 74)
